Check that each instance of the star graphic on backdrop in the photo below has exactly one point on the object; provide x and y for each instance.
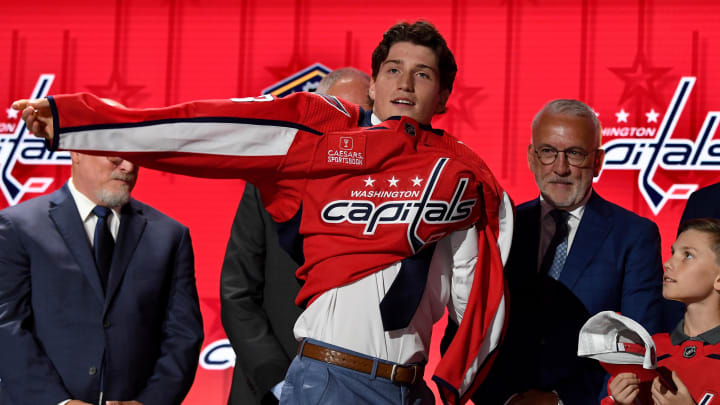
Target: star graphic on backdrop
(640, 79)
(652, 115)
(463, 101)
(393, 182)
(622, 116)
(117, 89)
(282, 72)
(417, 181)
(369, 182)
(12, 114)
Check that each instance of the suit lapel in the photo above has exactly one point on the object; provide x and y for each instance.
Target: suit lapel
(531, 233)
(526, 237)
(594, 227)
(64, 214)
(132, 226)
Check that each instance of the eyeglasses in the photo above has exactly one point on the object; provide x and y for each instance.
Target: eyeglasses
(574, 156)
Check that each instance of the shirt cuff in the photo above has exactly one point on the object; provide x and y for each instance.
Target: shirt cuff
(276, 390)
(64, 402)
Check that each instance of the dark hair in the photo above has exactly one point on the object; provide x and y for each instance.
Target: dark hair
(419, 33)
(710, 226)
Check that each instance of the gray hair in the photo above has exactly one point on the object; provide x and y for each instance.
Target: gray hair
(572, 108)
(338, 74)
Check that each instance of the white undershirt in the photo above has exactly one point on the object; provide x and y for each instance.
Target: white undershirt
(349, 316)
(85, 207)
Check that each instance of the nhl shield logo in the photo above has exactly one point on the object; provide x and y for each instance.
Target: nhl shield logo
(409, 129)
(689, 352)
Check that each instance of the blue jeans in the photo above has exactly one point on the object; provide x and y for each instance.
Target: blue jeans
(310, 382)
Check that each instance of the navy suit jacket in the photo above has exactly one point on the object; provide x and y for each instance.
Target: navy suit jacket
(703, 203)
(60, 335)
(614, 264)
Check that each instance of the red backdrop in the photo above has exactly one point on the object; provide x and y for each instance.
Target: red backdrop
(624, 58)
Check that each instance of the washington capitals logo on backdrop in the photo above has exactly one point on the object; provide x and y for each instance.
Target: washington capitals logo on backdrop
(22, 155)
(218, 355)
(649, 149)
(304, 80)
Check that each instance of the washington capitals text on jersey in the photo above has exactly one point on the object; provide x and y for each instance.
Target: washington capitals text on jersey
(417, 186)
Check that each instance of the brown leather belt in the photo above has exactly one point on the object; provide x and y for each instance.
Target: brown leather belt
(398, 374)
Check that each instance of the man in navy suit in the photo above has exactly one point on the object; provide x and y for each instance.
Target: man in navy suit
(703, 203)
(96, 317)
(573, 255)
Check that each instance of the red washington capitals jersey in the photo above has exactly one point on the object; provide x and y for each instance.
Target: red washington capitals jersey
(363, 196)
(697, 364)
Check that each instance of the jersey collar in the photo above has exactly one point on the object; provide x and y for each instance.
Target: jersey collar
(678, 336)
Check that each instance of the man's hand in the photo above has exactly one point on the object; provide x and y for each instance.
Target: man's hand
(123, 403)
(661, 395)
(77, 402)
(624, 388)
(535, 397)
(36, 114)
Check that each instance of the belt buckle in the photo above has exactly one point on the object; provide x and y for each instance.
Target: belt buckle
(393, 373)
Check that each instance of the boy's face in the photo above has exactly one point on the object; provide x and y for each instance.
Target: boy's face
(692, 274)
(408, 83)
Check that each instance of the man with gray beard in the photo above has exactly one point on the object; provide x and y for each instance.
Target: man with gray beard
(98, 302)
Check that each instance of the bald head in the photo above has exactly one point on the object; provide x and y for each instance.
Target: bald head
(348, 84)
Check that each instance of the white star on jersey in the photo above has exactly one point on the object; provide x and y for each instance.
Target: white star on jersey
(622, 116)
(393, 182)
(369, 182)
(652, 116)
(416, 181)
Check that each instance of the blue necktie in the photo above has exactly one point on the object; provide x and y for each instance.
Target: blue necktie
(103, 243)
(554, 259)
(403, 297)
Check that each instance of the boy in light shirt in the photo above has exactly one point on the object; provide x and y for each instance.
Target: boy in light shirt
(692, 350)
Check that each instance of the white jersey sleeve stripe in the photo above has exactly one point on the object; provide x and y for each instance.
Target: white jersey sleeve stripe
(489, 345)
(224, 139)
(507, 225)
